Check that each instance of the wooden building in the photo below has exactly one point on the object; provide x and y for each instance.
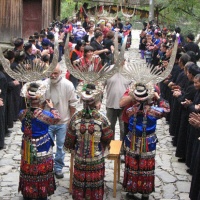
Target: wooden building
(21, 18)
(117, 2)
(129, 6)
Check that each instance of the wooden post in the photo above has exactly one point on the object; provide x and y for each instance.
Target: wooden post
(71, 172)
(114, 154)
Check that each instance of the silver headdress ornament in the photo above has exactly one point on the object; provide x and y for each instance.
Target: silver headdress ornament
(99, 73)
(144, 77)
(105, 15)
(95, 73)
(30, 71)
(127, 15)
(92, 15)
(38, 94)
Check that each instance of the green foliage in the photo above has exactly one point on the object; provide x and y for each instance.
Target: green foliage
(168, 13)
(67, 8)
(182, 13)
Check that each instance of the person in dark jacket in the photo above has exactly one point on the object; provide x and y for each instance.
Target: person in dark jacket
(11, 87)
(175, 109)
(29, 56)
(187, 94)
(3, 94)
(193, 133)
(98, 47)
(191, 46)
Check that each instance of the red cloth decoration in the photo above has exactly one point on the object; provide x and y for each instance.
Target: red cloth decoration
(81, 9)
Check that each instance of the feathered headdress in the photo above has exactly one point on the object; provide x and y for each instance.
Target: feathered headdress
(95, 73)
(30, 70)
(35, 93)
(144, 77)
(127, 15)
(105, 15)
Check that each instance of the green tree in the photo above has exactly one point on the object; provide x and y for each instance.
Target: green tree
(183, 13)
(67, 8)
(169, 13)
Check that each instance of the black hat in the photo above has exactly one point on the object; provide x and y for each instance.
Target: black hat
(27, 46)
(190, 36)
(141, 92)
(33, 87)
(18, 42)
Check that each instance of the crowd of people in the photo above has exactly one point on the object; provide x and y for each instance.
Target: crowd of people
(88, 132)
(180, 89)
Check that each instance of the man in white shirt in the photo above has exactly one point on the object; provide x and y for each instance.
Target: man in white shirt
(62, 93)
(115, 88)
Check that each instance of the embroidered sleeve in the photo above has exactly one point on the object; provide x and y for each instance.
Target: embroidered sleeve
(47, 117)
(155, 112)
(22, 114)
(131, 111)
(107, 133)
(70, 139)
(165, 105)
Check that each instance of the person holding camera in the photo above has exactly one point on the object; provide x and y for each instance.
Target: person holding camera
(36, 169)
(98, 47)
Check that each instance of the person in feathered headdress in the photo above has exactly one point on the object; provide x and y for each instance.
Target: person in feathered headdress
(89, 132)
(140, 141)
(36, 149)
(36, 179)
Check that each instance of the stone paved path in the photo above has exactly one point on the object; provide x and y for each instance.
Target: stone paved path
(172, 181)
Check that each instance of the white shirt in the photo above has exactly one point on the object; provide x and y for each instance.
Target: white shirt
(62, 95)
(115, 88)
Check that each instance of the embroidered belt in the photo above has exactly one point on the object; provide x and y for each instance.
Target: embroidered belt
(88, 160)
(91, 184)
(42, 154)
(147, 136)
(140, 144)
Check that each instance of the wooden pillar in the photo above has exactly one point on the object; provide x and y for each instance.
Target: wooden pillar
(10, 20)
(47, 13)
(56, 11)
